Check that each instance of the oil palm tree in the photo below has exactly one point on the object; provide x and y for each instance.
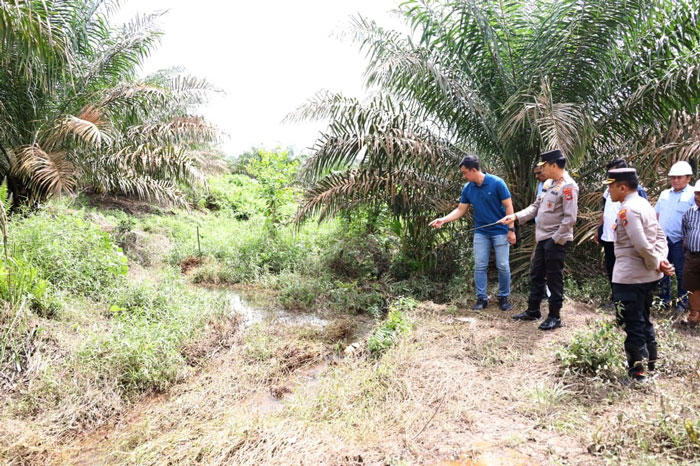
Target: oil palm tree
(73, 113)
(505, 80)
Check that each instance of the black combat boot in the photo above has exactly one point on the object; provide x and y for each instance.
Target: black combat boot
(653, 356)
(481, 304)
(504, 303)
(531, 313)
(552, 321)
(635, 364)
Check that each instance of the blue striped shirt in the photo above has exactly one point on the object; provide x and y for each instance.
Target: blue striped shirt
(691, 229)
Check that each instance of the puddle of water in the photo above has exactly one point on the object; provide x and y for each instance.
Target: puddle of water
(255, 313)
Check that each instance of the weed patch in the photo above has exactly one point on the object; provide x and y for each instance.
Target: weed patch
(396, 324)
(71, 253)
(595, 352)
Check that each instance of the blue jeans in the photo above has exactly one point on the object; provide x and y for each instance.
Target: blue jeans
(676, 256)
(482, 251)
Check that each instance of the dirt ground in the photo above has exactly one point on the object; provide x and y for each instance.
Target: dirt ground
(464, 388)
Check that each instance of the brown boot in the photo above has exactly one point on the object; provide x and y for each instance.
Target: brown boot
(693, 319)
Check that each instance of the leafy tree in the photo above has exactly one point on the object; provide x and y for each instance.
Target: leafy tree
(72, 112)
(275, 173)
(507, 80)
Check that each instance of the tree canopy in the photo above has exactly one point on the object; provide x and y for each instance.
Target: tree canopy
(507, 80)
(73, 112)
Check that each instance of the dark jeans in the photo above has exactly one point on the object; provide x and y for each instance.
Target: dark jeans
(633, 314)
(676, 256)
(609, 252)
(547, 268)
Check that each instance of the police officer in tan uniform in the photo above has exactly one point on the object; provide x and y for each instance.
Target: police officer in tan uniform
(556, 210)
(640, 262)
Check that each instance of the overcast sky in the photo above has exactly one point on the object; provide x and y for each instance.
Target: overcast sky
(268, 56)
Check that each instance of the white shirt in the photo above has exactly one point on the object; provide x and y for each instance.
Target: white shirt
(609, 217)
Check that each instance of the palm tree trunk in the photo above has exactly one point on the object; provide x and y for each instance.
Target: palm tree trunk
(15, 186)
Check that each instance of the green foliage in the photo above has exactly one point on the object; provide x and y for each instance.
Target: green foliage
(359, 256)
(597, 79)
(71, 253)
(354, 298)
(275, 172)
(75, 115)
(396, 324)
(20, 281)
(298, 291)
(151, 325)
(596, 351)
(237, 194)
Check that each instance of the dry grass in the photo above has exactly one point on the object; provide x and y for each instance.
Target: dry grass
(453, 390)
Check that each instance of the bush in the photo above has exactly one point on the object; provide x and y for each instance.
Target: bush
(151, 327)
(363, 257)
(396, 324)
(596, 351)
(235, 194)
(19, 281)
(299, 291)
(72, 254)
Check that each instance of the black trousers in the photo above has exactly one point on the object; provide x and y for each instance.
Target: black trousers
(609, 252)
(546, 270)
(633, 314)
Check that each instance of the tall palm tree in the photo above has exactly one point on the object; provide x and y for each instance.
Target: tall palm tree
(73, 113)
(506, 80)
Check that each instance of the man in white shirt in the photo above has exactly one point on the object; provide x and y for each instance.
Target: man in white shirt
(670, 207)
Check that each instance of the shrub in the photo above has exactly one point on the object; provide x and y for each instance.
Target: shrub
(72, 254)
(596, 351)
(300, 291)
(235, 194)
(396, 324)
(356, 257)
(354, 299)
(143, 351)
(19, 281)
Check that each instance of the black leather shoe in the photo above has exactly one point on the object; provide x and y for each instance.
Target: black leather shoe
(480, 304)
(504, 304)
(528, 315)
(550, 323)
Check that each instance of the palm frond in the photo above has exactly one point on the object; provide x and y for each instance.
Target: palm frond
(47, 173)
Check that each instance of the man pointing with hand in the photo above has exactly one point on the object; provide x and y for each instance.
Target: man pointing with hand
(489, 196)
(556, 210)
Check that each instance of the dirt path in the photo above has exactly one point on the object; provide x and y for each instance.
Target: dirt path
(462, 389)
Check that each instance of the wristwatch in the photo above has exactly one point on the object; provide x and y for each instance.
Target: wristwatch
(511, 229)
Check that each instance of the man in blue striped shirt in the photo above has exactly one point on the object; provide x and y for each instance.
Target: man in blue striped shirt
(691, 242)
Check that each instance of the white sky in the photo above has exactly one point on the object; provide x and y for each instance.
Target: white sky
(268, 56)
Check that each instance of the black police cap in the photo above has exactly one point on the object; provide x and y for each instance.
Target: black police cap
(621, 174)
(551, 157)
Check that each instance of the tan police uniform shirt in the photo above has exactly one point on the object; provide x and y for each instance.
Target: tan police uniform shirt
(640, 243)
(556, 210)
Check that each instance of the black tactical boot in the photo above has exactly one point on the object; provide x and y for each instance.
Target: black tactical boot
(635, 364)
(481, 304)
(653, 356)
(504, 304)
(531, 313)
(550, 323)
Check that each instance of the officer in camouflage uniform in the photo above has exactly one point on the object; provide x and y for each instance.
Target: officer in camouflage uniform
(556, 210)
(640, 262)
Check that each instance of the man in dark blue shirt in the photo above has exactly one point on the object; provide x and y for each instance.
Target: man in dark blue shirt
(491, 200)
